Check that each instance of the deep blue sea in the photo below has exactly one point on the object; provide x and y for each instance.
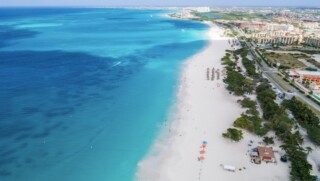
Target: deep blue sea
(83, 91)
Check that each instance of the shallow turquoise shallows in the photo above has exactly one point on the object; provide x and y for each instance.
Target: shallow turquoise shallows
(83, 91)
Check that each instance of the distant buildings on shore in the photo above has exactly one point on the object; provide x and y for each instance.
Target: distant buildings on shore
(280, 26)
(281, 34)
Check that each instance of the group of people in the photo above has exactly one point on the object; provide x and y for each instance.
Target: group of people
(212, 74)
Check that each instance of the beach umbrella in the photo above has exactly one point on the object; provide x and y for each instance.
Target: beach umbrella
(201, 158)
(202, 151)
(204, 142)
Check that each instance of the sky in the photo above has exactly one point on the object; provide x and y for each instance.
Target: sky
(312, 3)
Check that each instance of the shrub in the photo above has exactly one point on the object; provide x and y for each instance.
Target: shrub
(233, 134)
(268, 140)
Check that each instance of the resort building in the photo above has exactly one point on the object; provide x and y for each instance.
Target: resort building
(312, 41)
(285, 40)
(266, 154)
(277, 27)
(259, 35)
(265, 40)
(256, 26)
(306, 76)
(315, 86)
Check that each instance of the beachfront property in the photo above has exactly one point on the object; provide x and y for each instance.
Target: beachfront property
(262, 153)
(284, 40)
(284, 34)
(266, 154)
(285, 31)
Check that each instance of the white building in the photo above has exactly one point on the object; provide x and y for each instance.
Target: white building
(203, 9)
(310, 25)
(279, 27)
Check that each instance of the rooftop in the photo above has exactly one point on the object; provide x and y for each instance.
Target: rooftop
(306, 73)
(265, 152)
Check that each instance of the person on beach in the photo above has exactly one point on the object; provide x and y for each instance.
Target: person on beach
(212, 77)
(218, 74)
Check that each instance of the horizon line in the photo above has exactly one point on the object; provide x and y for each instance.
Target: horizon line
(156, 6)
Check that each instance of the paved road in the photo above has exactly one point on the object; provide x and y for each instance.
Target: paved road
(293, 91)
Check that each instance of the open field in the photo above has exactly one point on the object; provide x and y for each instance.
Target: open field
(285, 59)
(290, 59)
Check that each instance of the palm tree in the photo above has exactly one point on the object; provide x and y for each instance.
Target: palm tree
(308, 149)
(298, 137)
(268, 140)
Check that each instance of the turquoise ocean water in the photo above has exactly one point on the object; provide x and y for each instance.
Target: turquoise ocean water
(83, 91)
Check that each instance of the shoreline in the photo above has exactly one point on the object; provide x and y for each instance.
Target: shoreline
(204, 110)
(156, 153)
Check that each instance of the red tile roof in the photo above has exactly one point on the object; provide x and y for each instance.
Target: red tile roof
(265, 152)
(311, 77)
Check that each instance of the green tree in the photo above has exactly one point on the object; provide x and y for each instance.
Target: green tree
(237, 83)
(314, 134)
(248, 103)
(243, 122)
(305, 117)
(308, 150)
(268, 140)
(233, 134)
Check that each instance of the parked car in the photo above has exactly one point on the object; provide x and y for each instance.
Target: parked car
(284, 158)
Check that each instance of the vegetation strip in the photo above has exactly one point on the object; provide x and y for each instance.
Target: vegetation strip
(276, 117)
(305, 117)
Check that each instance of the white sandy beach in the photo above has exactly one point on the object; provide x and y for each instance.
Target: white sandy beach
(204, 111)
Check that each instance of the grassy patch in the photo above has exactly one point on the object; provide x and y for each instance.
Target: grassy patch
(285, 59)
(290, 60)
